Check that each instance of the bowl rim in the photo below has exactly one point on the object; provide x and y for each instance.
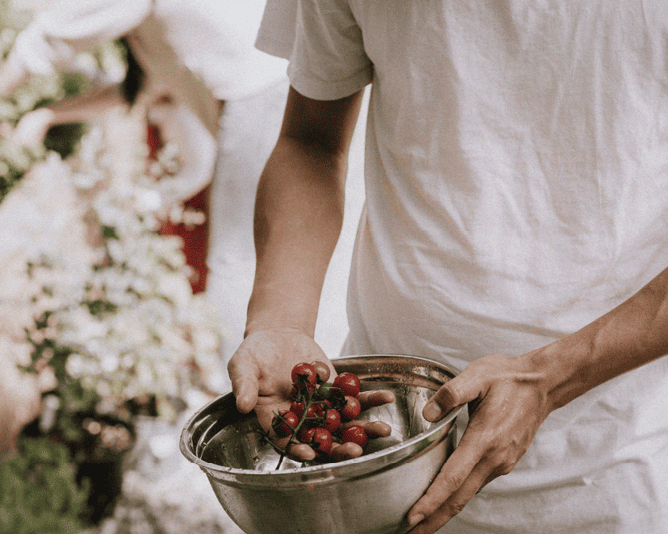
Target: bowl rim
(392, 455)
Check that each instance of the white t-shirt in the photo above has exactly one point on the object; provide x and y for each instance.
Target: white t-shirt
(517, 189)
(214, 39)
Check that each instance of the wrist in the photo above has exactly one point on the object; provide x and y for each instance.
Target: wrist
(280, 311)
(561, 370)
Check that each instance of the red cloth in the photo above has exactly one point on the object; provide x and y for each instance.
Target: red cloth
(196, 237)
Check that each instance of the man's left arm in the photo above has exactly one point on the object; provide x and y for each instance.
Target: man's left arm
(513, 396)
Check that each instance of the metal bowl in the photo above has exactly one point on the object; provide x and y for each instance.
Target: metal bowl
(367, 495)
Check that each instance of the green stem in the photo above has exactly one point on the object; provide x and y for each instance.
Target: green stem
(302, 420)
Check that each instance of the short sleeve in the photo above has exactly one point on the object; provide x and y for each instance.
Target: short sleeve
(276, 35)
(327, 59)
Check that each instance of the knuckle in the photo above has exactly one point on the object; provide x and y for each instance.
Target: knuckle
(454, 507)
(448, 395)
(444, 485)
(506, 467)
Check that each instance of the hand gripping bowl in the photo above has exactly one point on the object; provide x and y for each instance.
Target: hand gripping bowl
(367, 495)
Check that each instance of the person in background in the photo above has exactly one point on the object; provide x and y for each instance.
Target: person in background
(207, 86)
(515, 227)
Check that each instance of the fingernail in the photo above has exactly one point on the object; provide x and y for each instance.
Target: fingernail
(414, 520)
(432, 411)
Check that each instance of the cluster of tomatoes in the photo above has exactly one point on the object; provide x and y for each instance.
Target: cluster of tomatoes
(319, 408)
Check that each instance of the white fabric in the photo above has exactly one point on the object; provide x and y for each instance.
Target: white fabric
(213, 38)
(517, 189)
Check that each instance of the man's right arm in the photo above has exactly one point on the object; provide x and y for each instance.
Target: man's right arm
(299, 211)
(298, 217)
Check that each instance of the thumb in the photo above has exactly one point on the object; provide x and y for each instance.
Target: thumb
(245, 384)
(456, 392)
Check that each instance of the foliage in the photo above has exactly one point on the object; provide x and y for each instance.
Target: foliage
(14, 163)
(39, 493)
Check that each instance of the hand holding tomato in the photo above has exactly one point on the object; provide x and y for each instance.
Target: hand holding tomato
(261, 375)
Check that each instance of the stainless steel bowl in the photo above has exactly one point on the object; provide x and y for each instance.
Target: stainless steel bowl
(368, 495)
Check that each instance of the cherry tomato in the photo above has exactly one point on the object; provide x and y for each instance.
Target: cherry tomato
(332, 421)
(355, 434)
(352, 408)
(285, 425)
(303, 373)
(315, 410)
(349, 383)
(297, 408)
(321, 369)
(319, 439)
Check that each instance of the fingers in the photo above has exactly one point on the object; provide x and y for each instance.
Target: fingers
(464, 388)
(245, 385)
(322, 370)
(438, 507)
(369, 399)
(340, 451)
(301, 452)
(374, 429)
(345, 451)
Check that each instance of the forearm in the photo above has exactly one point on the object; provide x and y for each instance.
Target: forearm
(85, 106)
(299, 212)
(629, 336)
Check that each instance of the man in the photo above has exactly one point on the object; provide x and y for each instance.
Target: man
(517, 204)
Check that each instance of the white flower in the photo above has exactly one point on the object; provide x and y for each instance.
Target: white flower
(125, 307)
(147, 200)
(110, 363)
(75, 365)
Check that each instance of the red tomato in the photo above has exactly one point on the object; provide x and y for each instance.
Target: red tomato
(285, 425)
(314, 411)
(348, 383)
(321, 369)
(319, 439)
(297, 408)
(355, 434)
(303, 373)
(352, 408)
(332, 421)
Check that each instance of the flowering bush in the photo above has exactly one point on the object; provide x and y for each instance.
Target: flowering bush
(102, 65)
(89, 287)
(129, 322)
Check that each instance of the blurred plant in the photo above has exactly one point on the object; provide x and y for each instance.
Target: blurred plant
(39, 492)
(15, 161)
(129, 326)
(117, 322)
(121, 328)
(103, 64)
